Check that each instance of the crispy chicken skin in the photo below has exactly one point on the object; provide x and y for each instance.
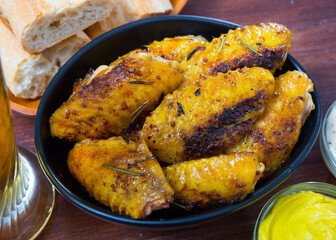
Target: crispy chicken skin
(135, 196)
(277, 131)
(211, 112)
(228, 52)
(176, 48)
(223, 178)
(106, 103)
(197, 120)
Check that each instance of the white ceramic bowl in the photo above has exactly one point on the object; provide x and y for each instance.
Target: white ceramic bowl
(325, 146)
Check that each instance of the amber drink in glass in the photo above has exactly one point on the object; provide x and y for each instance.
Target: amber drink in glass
(26, 196)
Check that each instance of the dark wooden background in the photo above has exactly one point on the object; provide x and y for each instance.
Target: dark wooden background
(313, 23)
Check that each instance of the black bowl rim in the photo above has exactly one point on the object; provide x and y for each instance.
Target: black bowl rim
(174, 222)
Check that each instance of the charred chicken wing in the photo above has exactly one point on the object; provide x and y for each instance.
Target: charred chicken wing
(262, 45)
(224, 178)
(197, 120)
(126, 193)
(277, 131)
(109, 100)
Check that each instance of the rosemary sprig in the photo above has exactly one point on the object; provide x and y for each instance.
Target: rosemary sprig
(124, 170)
(180, 206)
(194, 51)
(249, 47)
(136, 113)
(140, 82)
(222, 44)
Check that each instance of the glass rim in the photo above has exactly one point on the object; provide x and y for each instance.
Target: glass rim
(325, 189)
(325, 149)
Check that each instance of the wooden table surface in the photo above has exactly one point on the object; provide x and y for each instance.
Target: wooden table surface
(313, 23)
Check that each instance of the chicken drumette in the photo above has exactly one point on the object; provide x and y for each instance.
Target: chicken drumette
(224, 178)
(124, 192)
(277, 130)
(198, 120)
(263, 45)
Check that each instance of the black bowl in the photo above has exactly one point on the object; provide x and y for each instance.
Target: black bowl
(53, 152)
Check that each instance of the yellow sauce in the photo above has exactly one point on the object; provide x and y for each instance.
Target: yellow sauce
(303, 215)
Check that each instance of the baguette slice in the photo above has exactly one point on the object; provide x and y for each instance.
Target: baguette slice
(59, 54)
(26, 74)
(115, 19)
(137, 9)
(127, 11)
(39, 24)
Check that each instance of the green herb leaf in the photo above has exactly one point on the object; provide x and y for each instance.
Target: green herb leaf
(180, 206)
(140, 82)
(245, 139)
(179, 109)
(197, 92)
(222, 44)
(249, 47)
(136, 113)
(124, 170)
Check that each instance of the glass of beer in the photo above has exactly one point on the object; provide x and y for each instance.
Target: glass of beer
(26, 196)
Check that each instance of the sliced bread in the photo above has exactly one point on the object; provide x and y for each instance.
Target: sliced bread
(39, 24)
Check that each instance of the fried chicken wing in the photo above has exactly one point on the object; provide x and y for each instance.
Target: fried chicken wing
(197, 120)
(277, 131)
(176, 48)
(225, 178)
(109, 100)
(135, 196)
(262, 45)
